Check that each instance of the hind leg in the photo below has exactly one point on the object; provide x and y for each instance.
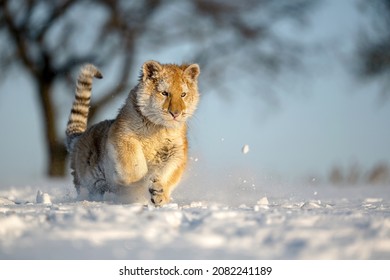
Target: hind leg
(81, 191)
(97, 190)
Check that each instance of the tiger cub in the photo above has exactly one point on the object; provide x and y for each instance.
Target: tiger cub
(142, 153)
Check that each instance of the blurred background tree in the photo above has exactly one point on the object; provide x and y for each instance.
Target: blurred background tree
(51, 39)
(374, 44)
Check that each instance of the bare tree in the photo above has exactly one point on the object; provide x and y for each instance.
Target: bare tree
(49, 39)
(379, 174)
(336, 176)
(374, 44)
(32, 44)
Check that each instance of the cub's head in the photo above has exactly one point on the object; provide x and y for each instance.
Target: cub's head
(168, 93)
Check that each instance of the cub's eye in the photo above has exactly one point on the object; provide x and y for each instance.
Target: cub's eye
(165, 93)
(183, 94)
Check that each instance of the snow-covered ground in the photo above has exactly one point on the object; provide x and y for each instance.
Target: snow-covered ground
(236, 221)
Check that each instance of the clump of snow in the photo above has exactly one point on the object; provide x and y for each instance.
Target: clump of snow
(6, 201)
(372, 200)
(245, 149)
(263, 201)
(311, 205)
(43, 198)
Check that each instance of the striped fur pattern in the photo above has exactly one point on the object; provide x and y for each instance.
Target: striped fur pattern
(78, 118)
(141, 154)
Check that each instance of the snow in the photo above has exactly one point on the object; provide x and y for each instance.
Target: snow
(245, 149)
(270, 222)
(43, 198)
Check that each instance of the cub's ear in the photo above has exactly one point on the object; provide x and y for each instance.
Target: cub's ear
(192, 71)
(150, 70)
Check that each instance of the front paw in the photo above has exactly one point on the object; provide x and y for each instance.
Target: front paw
(158, 196)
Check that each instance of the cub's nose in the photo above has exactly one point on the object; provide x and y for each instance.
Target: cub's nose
(175, 113)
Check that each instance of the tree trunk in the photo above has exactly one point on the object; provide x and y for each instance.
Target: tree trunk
(56, 151)
(57, 160)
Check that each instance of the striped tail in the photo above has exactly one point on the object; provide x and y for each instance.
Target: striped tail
(78, 118)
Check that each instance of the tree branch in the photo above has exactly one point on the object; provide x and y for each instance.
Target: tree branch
(117, 90)
(55, 15)
(17, 35)
(72, 62)
(130, 33)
